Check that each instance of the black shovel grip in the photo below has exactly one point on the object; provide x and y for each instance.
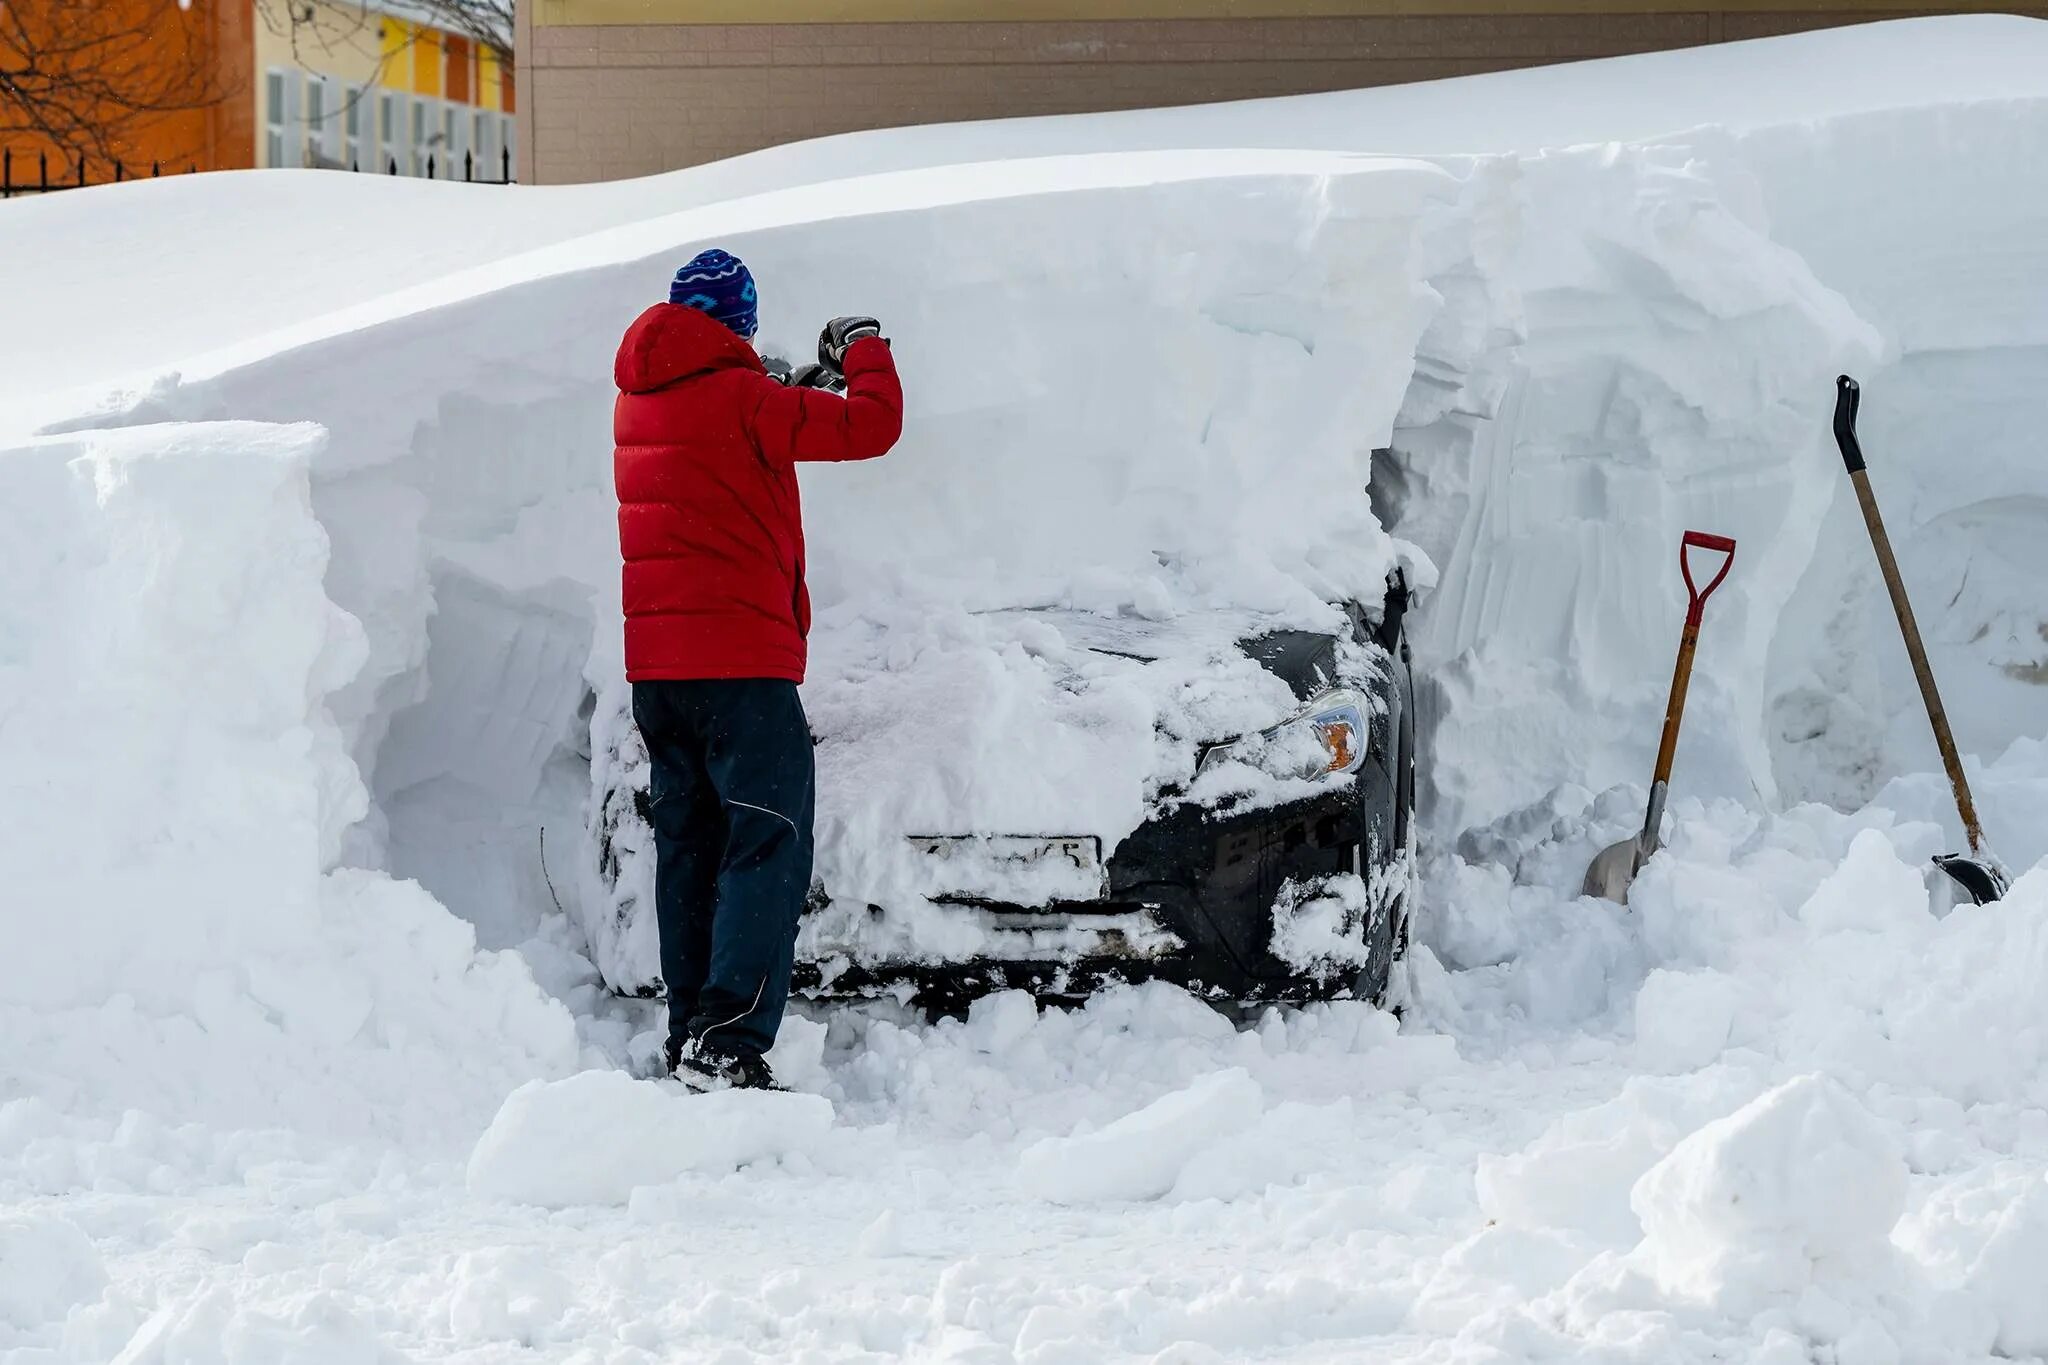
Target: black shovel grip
(1847, 396)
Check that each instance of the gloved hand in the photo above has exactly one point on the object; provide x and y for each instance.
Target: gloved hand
(817, 377)
(778, 369)
(841, 333)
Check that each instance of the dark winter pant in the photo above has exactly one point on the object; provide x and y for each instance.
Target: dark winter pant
(732, 796)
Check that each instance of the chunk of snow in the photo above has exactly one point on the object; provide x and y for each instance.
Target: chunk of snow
(596, 1136)
(1798, 1186)
(47, 1268)
(1142, 1154)
(2006, 1276)
(1872, 890)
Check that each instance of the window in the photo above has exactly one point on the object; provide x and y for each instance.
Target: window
(355, 121)
(390, 130)
(451, 143)
(417, 142)
(507, 126)
(484, 143)
(273, 117)
(316, 115)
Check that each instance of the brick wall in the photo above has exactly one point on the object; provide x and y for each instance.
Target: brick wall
(610, 101)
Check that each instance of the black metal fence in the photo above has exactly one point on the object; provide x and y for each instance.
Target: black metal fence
(20, 175)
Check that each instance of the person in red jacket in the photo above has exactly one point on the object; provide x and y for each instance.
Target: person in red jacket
(717, 615)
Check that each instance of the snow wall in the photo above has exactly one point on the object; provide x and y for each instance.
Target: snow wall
(176, 791)
(1124, 374)
(1129, 378)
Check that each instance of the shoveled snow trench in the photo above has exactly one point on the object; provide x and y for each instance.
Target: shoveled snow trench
(301, 635)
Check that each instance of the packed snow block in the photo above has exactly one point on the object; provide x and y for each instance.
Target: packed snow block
(1141, 1155)
(173, 793)
(1800, 1186)
(47, 1268)
(2006, 1277)
(595, 1137)
(167, 639)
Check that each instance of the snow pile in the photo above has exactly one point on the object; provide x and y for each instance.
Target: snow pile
(596, 1137)
(174, 790)
(1839, 1142)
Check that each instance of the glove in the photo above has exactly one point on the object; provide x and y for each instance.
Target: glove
(841, 333)
(817, 377)
(778, 369)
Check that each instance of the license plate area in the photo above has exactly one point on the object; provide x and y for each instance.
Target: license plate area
(1012, 869)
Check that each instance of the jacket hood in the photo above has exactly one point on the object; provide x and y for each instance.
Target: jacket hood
(670, 342)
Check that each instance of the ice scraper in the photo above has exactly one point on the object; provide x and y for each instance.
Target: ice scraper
(1617, 865)
(1979, 873)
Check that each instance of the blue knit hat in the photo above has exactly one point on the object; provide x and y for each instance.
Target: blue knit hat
(720, 284)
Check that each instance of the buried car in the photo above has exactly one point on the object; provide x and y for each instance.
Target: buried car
(1277, 868)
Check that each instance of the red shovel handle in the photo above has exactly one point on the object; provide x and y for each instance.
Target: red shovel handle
(1698, 596)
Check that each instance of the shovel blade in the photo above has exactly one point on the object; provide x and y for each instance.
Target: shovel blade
(1982, 879)
(1613, 870)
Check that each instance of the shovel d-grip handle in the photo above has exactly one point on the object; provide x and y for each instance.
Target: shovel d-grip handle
(1697, 596)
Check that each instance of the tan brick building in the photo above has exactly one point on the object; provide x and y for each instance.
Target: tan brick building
(616, 88)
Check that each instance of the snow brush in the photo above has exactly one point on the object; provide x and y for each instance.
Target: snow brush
(1615, 869)
(1980, 874)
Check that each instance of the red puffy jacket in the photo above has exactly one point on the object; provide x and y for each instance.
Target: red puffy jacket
(710, 524)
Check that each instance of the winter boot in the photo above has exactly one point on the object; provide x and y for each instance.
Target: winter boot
(704, 1068)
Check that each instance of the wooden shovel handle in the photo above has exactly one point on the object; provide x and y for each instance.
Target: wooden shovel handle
(1847, 399)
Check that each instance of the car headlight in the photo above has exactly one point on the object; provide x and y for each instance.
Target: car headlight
(1339, 725)
(1327, 736)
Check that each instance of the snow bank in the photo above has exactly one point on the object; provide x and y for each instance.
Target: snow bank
(597, 1136)
(62, 242)
(174, 790)
(1571, 355)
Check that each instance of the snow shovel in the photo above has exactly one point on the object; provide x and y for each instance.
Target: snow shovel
(1982, 877)
(1616, 867)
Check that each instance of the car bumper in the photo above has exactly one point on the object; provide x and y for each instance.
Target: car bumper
(1203, 886)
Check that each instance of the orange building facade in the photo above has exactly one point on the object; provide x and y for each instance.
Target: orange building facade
(213, 42)
(289, 83)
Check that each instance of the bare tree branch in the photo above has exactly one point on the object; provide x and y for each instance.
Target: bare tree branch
(85, 74)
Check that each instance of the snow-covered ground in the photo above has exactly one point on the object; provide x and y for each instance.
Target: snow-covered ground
(306, 581)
